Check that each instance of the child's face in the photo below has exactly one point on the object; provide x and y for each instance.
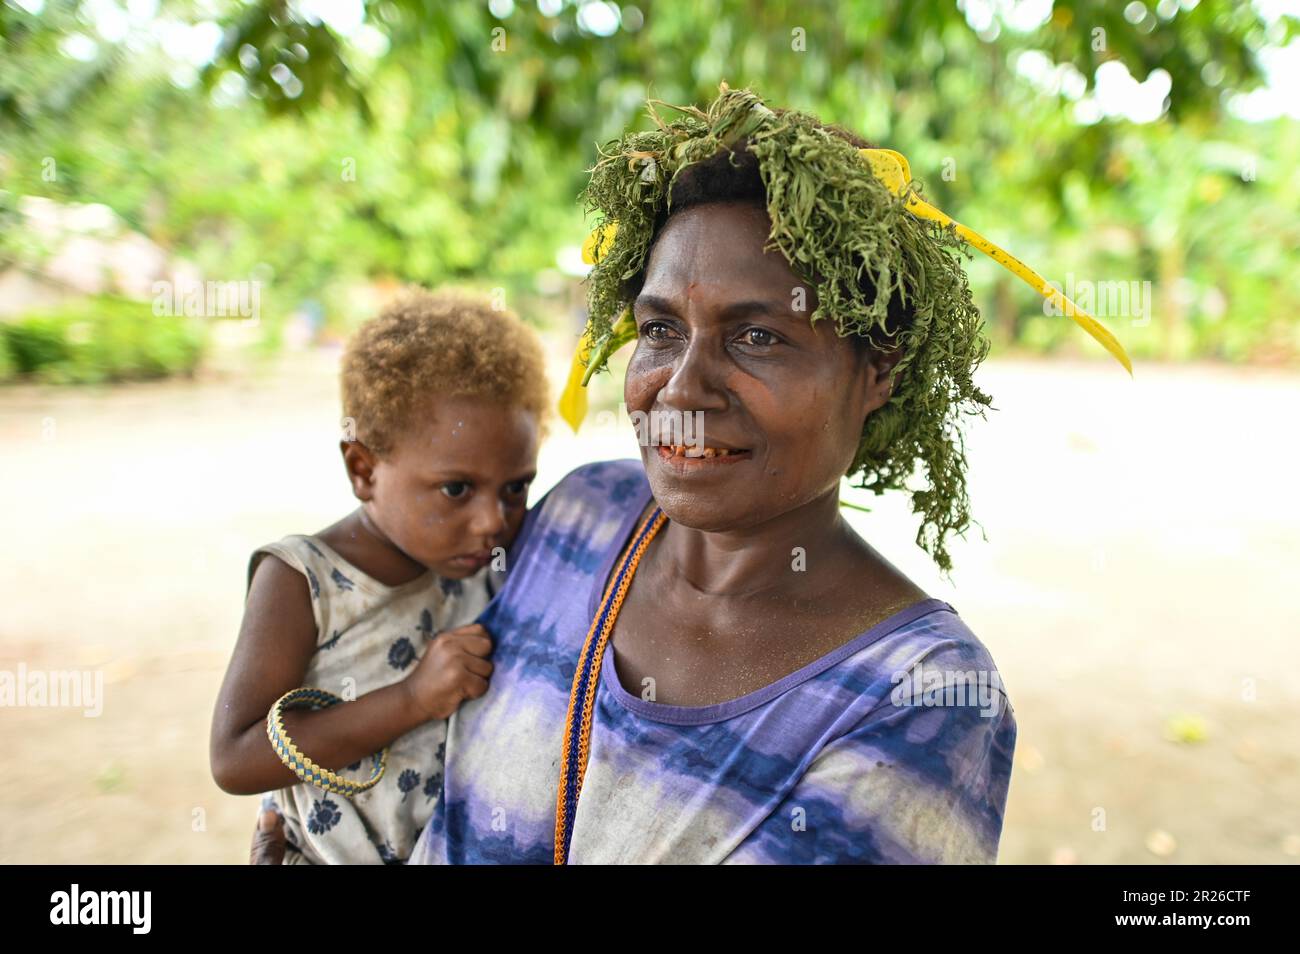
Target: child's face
(455, 486)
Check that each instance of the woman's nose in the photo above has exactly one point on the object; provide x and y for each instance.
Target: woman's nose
(697, 381)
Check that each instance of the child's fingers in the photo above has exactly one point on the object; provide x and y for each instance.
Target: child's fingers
(475, 664)
(470, 639)
(477, 629)
(473, 686)
(268, 839)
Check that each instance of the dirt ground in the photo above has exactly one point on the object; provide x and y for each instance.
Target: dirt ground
(1142, 540)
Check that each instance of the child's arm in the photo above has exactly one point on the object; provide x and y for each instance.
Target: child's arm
(276, 643)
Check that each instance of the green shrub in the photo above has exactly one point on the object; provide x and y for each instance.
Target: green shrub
(102, 339)
(7, 367)
(35, 342)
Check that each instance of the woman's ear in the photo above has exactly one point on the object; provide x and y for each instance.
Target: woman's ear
(879, 388)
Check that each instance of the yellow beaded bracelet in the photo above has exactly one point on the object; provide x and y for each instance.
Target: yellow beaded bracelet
(298, 763)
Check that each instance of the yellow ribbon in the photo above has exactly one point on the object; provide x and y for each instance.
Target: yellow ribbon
(573, 400)
(890, 168)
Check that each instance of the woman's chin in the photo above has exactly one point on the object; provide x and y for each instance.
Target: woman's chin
(689, 507)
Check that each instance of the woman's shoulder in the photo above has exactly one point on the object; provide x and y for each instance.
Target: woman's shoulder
(604, 482)
(594, 496)
(580, 521)
(934, 647)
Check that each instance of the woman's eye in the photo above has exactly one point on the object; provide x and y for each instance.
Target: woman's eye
(455, 489)
(654, 330)
(759, 337)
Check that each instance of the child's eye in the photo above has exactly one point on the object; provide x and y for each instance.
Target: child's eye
(517, 487)
(455, 489)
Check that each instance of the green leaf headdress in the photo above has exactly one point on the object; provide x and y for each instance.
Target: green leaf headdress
(838, 212)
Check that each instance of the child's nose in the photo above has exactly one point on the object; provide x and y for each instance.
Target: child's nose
(489, 518)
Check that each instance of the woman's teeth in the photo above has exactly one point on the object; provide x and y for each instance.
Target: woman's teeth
(683, 450)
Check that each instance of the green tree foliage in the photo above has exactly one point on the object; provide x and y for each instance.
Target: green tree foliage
(444, 141)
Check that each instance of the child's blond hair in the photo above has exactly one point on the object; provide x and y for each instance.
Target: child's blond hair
(450, 343)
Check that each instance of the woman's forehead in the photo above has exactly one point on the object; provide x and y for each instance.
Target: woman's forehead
(717, 250)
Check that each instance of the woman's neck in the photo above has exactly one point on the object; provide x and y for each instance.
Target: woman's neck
(764, 559)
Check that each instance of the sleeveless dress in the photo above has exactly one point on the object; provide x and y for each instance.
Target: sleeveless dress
(370, 635)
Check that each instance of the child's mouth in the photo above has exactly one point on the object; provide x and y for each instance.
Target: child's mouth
(471, 561)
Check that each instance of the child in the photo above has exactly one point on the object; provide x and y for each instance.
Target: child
(444, 401)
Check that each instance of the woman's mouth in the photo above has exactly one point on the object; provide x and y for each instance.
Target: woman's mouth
(690, 456)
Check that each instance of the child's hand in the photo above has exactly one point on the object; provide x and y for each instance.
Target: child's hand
(454, 668)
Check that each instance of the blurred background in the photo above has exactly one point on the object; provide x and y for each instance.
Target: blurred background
(200, 199)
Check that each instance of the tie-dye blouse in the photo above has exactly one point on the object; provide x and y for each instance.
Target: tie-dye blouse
(895, 747)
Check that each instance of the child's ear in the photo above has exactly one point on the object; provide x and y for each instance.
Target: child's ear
(359, 461)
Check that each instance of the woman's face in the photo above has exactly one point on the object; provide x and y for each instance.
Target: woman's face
(723, 330)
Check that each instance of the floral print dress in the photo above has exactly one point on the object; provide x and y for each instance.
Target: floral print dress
(370, 635)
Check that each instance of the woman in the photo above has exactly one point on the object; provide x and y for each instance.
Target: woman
(760, 697)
